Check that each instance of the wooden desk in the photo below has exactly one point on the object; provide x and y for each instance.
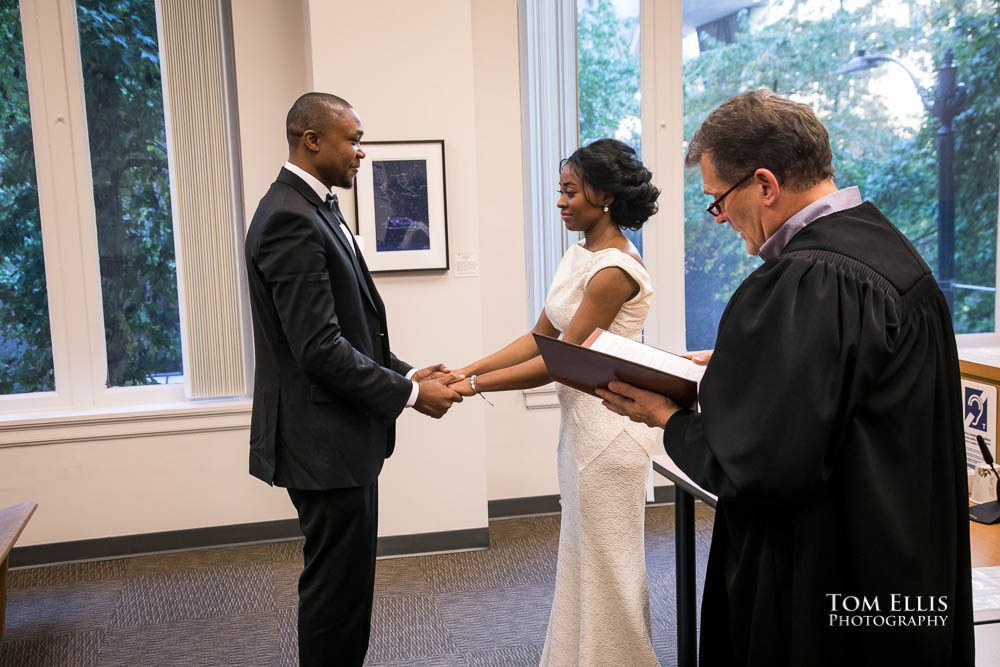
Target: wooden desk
(12, 521)
(985, 543)
(980, 364)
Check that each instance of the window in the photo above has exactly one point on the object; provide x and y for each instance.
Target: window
(550, 132)
(93, 192)
(580, 81)
(883, 133)
(131, 189)
(883, 136)
(608, 82)
(25, 341)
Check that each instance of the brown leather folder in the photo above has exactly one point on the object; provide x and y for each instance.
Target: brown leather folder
(586, 370)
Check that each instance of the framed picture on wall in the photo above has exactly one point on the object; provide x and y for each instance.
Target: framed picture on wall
(400, 202)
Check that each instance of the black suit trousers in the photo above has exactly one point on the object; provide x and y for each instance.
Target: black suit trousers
(338, 578)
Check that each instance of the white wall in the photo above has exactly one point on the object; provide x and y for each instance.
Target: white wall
(127, 486)
(521, 443)
(271, 71)
(444, 70)
(449, 70)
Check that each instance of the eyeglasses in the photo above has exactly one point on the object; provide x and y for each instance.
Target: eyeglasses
(715, 208)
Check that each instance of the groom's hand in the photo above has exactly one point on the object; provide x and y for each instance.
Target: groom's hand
(435, 372)
(435, 397)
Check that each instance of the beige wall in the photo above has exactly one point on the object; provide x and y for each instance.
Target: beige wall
(128, 486)
(445, 70)
(521, 443)
(270, 72)
(449, 70)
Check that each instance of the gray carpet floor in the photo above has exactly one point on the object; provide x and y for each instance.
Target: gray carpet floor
(237, 605)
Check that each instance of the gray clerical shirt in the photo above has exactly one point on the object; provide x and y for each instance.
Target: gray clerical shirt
(841, 200)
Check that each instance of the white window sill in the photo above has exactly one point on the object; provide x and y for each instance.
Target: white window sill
(541, 397)
(62, 426)
(50, 427)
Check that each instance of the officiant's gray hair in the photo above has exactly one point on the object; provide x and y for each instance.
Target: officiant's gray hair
(759, 129)
(312, 111)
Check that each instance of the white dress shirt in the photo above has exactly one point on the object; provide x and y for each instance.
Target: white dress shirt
(322, 192)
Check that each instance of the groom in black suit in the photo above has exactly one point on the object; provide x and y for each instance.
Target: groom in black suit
(327, 388)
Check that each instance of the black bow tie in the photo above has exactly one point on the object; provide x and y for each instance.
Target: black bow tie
(331, 202)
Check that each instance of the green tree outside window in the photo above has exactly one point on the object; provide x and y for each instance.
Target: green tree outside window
(25, 340)
(896, 168)
(608, 70)
(121, 71)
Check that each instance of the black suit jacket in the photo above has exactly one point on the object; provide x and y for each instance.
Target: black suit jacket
(327, 389)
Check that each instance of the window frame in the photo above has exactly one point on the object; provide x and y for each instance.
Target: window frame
(967, 340)
(54, 74)
(662, 71)
(661, 117)
(550, 132)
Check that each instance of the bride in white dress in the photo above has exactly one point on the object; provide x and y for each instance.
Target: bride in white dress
(600, 610)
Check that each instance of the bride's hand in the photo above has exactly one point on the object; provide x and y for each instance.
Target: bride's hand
(462, 387)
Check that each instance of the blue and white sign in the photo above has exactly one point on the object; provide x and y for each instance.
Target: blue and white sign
(979, 413)
(976, 404)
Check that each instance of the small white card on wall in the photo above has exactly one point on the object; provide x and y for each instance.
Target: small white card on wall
(466, 264)
(979, 415)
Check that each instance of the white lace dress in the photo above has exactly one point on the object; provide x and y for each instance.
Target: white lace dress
(600, 610)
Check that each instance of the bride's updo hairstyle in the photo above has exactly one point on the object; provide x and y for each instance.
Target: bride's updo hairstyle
(610, 167)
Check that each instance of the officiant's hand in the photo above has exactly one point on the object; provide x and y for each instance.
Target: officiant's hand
(701, 357)
(639, 405)
(435, 372)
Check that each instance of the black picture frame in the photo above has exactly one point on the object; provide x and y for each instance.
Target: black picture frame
(401, 205)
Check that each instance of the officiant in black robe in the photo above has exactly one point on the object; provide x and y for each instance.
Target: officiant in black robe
(830, 424)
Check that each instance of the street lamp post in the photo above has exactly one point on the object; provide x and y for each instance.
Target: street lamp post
(948, 101)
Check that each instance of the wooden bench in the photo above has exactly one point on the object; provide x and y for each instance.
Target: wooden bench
(12, 521)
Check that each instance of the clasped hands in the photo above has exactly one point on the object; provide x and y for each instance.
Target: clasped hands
(440, 387)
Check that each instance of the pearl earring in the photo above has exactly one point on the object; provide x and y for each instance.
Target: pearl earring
(605, 208)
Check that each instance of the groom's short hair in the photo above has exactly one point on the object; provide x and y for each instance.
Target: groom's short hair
(312, 111)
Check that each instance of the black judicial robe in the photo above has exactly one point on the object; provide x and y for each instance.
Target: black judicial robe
(831, 430)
